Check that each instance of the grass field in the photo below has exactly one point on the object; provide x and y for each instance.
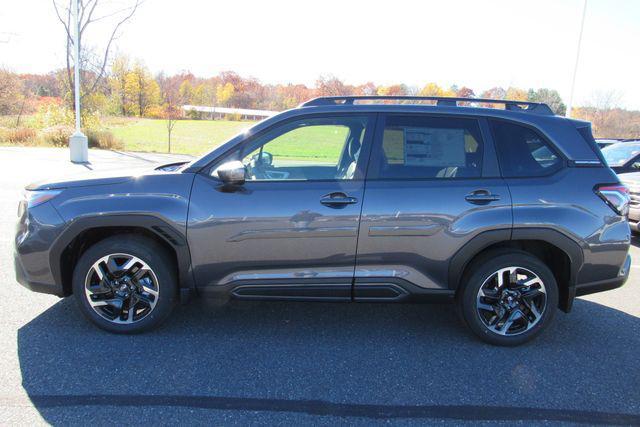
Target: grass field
(197, 137)
(193, 137)
(322, 144)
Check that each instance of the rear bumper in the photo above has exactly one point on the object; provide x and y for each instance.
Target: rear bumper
(605, 285)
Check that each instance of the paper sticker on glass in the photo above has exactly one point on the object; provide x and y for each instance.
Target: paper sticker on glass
(434, 147)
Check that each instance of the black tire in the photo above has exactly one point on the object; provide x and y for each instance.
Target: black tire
(156, 258)
(484, 269)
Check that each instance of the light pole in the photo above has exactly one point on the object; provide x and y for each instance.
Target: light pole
(575, 67)
(78, 144)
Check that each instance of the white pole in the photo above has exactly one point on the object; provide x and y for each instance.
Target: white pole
(575, 67)
(78, 146)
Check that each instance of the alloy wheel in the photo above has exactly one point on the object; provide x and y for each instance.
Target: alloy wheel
(511, 301)
(121, 288)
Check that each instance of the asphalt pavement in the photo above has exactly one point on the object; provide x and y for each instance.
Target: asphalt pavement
(272, 363)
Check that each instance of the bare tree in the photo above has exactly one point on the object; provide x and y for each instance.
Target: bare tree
(93, 61)
(170, 92)
(172, 115)
(12, 94)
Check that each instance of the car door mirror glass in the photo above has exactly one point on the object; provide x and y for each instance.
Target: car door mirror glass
(232, 172)
(636, 165)
(262, 158)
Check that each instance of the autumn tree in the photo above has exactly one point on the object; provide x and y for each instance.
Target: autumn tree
(367, 89)
(516, 94)
(551, 97)
(224, 93)
(433, 89)
(15, 96)
(142, 91)
(203, 95)
(607, 118)
(393, 90)
(11, 92)
(465, 92)
(118, 83)
(186, 92)
(331, 86)
(494, 93)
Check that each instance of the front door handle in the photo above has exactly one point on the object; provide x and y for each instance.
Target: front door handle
(480, 197)
(337, 199)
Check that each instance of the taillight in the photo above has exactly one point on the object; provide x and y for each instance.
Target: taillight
(616, 196)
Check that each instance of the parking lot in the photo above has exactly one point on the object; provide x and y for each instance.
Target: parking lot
(286, 363)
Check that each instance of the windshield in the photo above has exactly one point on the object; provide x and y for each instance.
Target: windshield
(619, 154)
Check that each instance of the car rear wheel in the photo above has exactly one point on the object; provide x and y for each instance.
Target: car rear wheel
(125, 284)
(508, 298)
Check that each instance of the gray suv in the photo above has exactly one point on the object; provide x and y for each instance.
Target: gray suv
(509, 213)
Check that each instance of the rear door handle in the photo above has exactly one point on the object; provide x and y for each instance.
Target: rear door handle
(480, 197)
(337, 199)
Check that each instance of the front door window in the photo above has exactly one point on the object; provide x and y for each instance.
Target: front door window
(306, 150)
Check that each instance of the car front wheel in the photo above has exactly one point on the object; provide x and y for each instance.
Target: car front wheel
(125, 284)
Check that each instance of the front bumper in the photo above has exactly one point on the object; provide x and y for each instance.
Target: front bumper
(22, 278)
(36, 231)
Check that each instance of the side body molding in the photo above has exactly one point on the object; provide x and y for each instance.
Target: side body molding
(151, 223)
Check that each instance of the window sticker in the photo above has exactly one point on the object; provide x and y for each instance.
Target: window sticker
(434, 147)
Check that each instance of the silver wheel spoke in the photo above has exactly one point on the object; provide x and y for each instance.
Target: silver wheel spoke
(131, 313)
(511, 301)
(150, 291)
(114, 302)
(504, 329)
(129, 265)
(101, 273)
(121, 288)
(532, 293)
(112, 266)
(484, 306)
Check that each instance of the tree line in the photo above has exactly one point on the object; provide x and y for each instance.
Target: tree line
(130, 89)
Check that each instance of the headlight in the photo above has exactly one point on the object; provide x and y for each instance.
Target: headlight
(35, 198)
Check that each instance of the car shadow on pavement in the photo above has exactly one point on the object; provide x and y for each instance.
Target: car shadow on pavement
(361, 360)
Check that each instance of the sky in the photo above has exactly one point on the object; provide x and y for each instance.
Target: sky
(479, 44)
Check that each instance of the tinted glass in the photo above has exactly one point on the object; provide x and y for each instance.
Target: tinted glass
(419, 147)
(522, 151)
(306, 149)
(621, 153)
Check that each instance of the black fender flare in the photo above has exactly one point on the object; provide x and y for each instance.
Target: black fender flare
(154, 224)
(485, 239)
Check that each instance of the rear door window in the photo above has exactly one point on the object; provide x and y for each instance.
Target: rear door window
(523, 152)
(425, 147)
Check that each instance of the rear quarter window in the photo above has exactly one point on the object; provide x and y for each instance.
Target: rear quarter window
(523, 152)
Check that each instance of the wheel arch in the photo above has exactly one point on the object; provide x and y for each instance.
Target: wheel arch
(562, 254)
(84, 232)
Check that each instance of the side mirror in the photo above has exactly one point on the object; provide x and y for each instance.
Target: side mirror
(263, 158)
(635, 165)
(232, 172)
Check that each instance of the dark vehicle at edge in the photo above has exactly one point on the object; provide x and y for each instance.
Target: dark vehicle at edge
(509, 214)
(623, 157)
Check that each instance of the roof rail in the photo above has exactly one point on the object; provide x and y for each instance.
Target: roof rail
(511, 105)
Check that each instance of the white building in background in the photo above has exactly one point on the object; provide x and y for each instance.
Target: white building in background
(221, 112)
